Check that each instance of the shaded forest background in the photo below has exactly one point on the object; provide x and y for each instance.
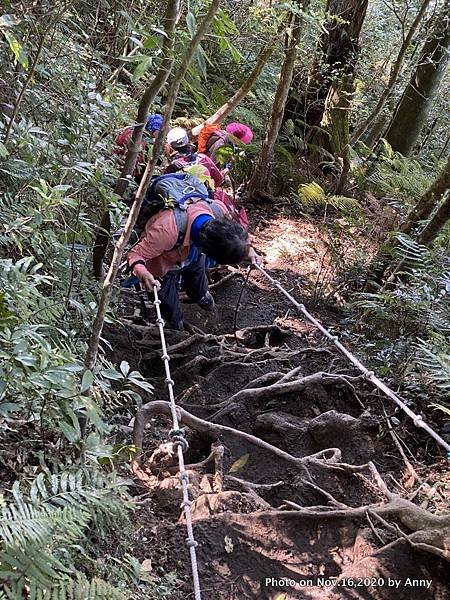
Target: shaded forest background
(350, 114)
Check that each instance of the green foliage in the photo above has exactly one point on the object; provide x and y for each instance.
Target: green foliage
(414, 316)
(41, 529)
(397, 178)
(312, 195)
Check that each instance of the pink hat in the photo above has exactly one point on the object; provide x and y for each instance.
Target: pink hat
(241, 131)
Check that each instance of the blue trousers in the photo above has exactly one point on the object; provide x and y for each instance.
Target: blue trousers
(192, 280)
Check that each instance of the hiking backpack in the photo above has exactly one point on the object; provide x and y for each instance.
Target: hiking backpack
(176, 191)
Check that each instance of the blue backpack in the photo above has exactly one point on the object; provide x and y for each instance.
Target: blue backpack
(175, 191)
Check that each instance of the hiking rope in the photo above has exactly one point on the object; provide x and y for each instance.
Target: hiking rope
(369, 375)
(181, 444)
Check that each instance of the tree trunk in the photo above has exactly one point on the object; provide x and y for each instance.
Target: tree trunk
(395, 72)
(261, 174)
(223, 112)
(421, 211)
(51, 23)
(342, 47)
(424, 207)
(134, 145)
(105, 296)
(322, 90)
(415, 103)
(436, 223)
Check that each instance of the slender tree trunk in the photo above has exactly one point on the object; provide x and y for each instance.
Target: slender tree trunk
(425, 206)
(422, 210)
(261, 174)
(435, 225)
(134, 145)
(32, 70)
(107, 288)
(395, 72)
(223, 112)
(415, 103)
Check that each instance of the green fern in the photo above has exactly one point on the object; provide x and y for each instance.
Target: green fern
(39, 528)
(434, 360)
(413, 254)
(313, 195)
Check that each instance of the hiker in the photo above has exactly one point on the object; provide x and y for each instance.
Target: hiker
(182, 156)
(220, 145)
(152, 127)
(178, 245)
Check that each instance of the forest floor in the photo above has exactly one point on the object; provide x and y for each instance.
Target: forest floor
(305, 399)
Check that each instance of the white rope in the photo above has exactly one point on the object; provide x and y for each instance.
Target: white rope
(369, 375)
(181, 445)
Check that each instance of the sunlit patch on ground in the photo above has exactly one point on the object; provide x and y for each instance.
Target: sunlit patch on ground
(287, 241)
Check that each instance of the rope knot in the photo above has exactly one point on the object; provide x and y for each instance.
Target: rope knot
(165, 357)
(156, 302)
(191, 543)
(418, 421)
(160, 321)
(368, 374)
(169, 381)
(184, 477)
(178, 439)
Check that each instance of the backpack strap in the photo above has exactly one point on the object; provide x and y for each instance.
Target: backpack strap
(181, 219)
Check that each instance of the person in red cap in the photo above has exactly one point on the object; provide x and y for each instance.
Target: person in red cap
(220, 144)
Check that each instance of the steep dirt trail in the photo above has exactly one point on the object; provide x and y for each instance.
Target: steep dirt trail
(247, 549)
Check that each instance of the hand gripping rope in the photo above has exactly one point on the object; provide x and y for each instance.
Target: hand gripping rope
(180, 443)
(369, 375)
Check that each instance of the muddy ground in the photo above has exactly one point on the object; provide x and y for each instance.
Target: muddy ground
(252, 542)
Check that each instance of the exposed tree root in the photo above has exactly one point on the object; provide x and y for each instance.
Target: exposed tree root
(282, 387)
(159, 407)
(430, 532)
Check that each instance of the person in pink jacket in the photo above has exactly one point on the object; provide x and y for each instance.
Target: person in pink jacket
(164, 260)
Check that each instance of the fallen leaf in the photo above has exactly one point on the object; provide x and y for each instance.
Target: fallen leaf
(239, 463)
(146, 565)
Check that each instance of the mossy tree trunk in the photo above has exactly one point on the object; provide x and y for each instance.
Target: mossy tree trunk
(417, 98)
(324, 98)
(435, 225)
(394, 74)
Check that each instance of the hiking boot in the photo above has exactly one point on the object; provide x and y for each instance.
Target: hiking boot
(207, 302)
(176, 326)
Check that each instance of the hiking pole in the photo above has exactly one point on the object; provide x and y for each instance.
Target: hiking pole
(369, 375)
(181, 445)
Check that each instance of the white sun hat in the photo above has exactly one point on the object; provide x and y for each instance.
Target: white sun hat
(177, 137)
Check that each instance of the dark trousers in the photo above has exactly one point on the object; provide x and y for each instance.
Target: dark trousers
(192, 280)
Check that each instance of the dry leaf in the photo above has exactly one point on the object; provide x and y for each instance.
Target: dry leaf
(239, 463)
(146, 565)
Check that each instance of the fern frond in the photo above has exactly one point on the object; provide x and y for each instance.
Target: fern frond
(414, 255)
(435, 362)
(313, 195)
(23, 524)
